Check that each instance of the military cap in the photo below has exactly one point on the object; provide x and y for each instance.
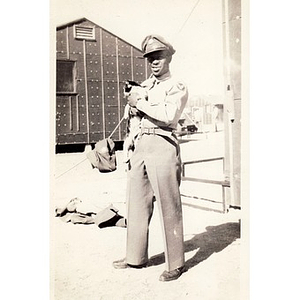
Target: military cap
(154, 42)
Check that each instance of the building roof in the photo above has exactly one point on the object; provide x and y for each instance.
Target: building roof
(78, 21)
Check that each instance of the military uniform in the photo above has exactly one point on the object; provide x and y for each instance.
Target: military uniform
(155, 170)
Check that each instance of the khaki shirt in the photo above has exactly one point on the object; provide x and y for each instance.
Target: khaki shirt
(165, 102)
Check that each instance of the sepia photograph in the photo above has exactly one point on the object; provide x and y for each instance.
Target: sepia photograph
(150, 150)
(149, 162)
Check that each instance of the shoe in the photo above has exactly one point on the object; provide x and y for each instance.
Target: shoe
(122, 264)
(171, 275)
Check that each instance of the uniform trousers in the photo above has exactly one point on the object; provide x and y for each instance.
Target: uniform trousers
(155, 170)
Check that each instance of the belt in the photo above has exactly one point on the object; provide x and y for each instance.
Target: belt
(158, 131)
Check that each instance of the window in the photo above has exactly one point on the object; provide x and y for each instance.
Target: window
(65, 76)
(84, 33)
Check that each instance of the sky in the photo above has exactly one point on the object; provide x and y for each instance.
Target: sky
(194, 27)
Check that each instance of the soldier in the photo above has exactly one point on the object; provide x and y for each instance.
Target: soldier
(155, 166)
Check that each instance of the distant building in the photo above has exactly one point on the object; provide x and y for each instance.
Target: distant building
(205, 112)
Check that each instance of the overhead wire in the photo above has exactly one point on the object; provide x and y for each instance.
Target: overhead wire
(185, 21)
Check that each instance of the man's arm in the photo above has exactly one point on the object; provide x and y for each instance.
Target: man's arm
(167, 110)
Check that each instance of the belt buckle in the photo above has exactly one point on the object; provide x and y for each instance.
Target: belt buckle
(146, 130)
(149, 130)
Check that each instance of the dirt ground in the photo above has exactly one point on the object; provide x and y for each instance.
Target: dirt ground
(82, 255)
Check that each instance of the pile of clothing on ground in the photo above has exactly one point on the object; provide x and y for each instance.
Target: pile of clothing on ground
(77, 212)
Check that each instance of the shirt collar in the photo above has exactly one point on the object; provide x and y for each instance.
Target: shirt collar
(157, 81)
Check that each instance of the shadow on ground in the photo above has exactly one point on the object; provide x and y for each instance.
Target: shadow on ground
(214, 239)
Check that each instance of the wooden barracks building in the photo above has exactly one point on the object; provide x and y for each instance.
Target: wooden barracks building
(92, 67)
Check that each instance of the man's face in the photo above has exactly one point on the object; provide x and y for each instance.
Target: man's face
(159, 62)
